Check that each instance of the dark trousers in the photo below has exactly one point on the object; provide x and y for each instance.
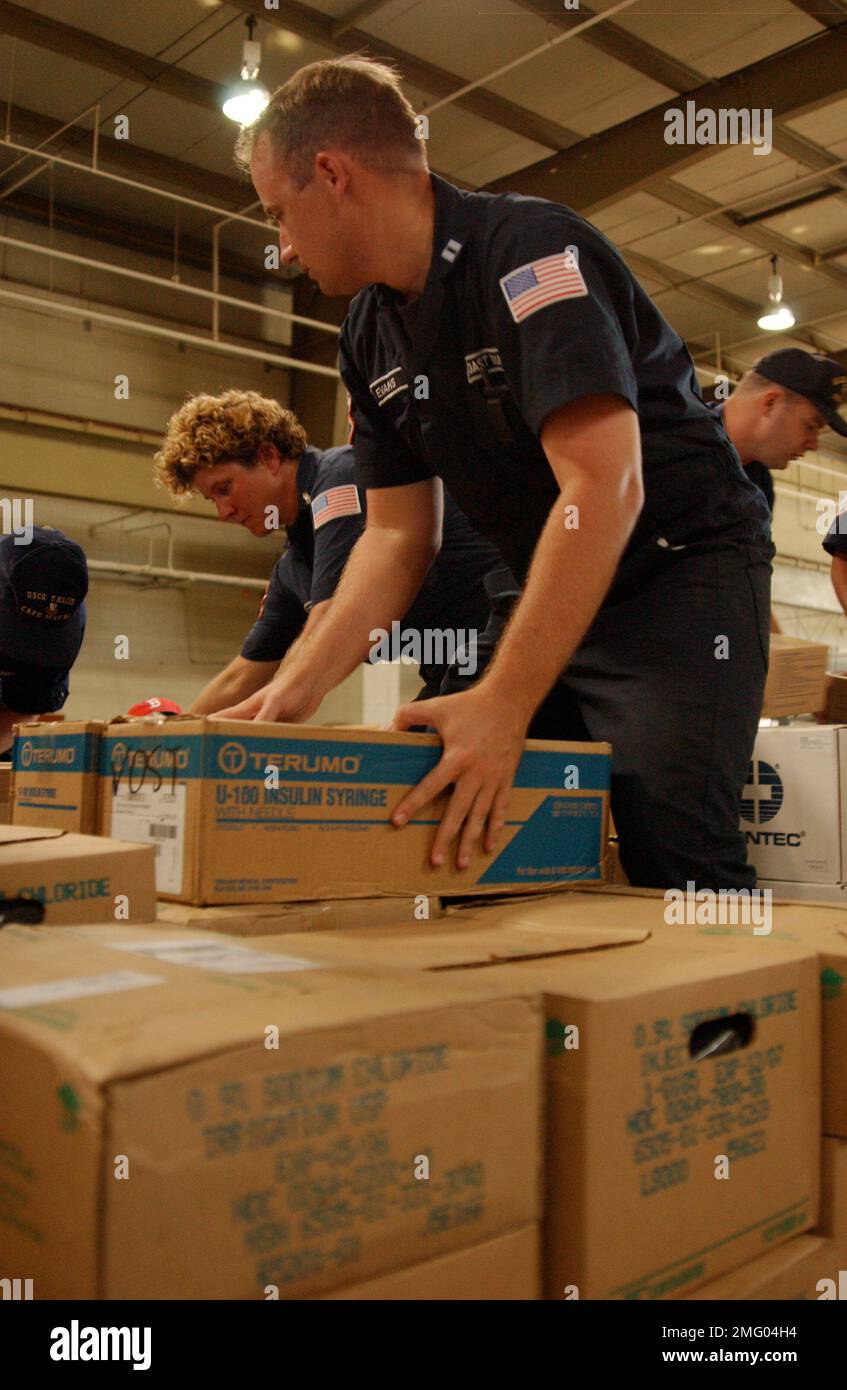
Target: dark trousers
(671, 674)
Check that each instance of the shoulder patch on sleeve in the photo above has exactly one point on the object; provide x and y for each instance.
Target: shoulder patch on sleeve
(335, 502)
(533, 286)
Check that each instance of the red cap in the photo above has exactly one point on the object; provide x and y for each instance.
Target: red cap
(155, 706)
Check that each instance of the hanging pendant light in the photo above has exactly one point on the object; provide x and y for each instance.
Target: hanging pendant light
(247, 98)
(775, 316)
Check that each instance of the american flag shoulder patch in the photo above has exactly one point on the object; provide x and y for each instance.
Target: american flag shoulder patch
(336, 501)
(533, 286)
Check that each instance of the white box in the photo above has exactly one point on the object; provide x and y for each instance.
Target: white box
(794, 804)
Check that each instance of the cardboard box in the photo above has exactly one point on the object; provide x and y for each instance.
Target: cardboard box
(55, 780)
(507, 1267)
(794, 806)
(200, 791)
(816, 894)
(269, 919)
(833, 1217)
(250, 1165)
(78, 878)
(835, 704)
(638, 1108)
(5, 793)
(796, 681)
(804, 927)
(807, 1267)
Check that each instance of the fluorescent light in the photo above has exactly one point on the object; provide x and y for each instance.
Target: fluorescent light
(245, 102)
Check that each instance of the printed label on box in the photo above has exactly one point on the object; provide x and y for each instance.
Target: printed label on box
(75, 988)
(210, 955)
(147, 816)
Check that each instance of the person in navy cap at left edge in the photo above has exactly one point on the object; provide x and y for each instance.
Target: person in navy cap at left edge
(43, 584)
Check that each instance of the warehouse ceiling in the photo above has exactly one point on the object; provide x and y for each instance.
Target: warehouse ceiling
(522, 94)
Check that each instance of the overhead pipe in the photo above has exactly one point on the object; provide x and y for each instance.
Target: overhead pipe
(155, 331)
(89, 263)
(184, 576)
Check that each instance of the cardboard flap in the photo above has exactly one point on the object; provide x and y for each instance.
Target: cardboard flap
(466, 940)
(135, 999)
(17, 834)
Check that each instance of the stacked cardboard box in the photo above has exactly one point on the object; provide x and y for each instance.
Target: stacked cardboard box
(796, 682)
(184, 1116)
(5, 793)
(806, 1268)
(796, 1270)
(328, 914)
(55, 778)
(794, 811)
(640, 1100)
(244, 812)
(835, 704)
(77, 878)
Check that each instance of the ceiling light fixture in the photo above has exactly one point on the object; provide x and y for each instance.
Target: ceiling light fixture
(247, 98)
(775, 316)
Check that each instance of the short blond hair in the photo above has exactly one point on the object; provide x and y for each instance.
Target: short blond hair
(207, 430)
(353, 103)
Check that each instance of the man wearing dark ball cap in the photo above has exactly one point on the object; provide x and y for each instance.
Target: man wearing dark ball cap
(779, 408)
(43, 584)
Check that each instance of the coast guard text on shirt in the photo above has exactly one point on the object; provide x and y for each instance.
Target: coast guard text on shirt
(77, 1343)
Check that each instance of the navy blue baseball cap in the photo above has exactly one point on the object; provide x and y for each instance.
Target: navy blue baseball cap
(43, 583)
(821, 380)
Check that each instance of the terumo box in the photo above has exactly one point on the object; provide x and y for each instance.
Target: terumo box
(659, 1058)
(245, 812)
(77, 878)
(156, 1146)
(269, 919)
(54, 775)
(794, 804)
(796, 682)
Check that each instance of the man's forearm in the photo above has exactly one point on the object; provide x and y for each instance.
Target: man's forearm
(380, 580)
(238, 680)
(570, 574)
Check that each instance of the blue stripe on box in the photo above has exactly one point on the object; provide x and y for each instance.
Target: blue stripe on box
(560, 841)
(386, 764)
(220, 756)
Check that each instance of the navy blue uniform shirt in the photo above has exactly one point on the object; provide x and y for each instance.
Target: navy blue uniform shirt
(510, 326)
(330, 520)
(760, 475)
(835, 541)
